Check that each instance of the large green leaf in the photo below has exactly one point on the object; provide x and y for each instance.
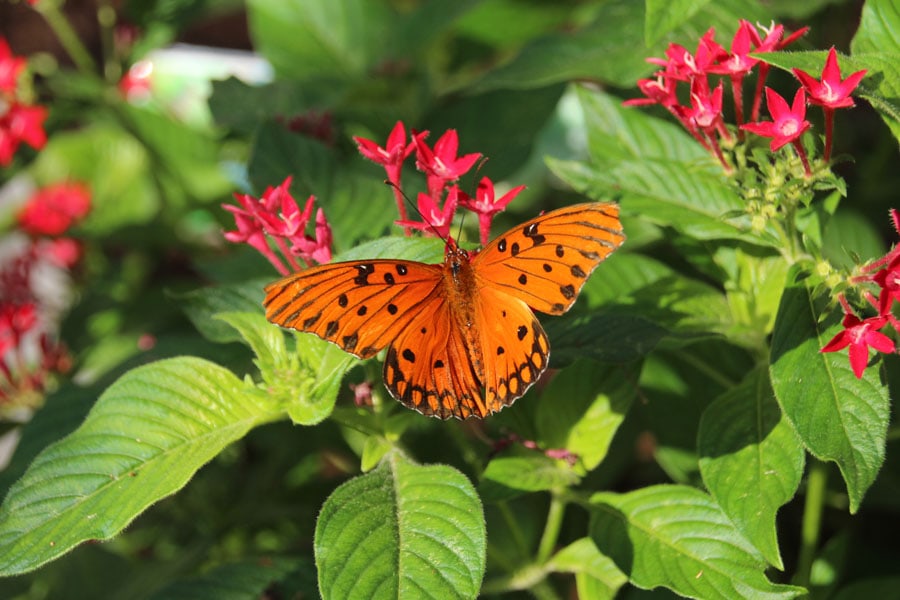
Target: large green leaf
(751, 460)
(839, 418)
(401, 531)
(144, 439)
(615, 132)
(677, 537)
(203, 304)
(692, 201)
(581, 410)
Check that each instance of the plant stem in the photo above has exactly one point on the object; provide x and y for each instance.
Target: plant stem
(67, 36)
(812, 520)
(551, 529)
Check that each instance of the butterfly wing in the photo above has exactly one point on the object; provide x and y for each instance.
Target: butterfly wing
(361, 306)
(546, 260)
(431, 366)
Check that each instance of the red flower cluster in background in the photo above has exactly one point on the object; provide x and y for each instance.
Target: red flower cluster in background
(19, 121)
(275, 222)
(861, 334)
(704, 117)
(29, 354)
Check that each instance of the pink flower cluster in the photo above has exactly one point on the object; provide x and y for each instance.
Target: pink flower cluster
(275, 222)
(24, 322)
(275, 217)
(704, 119)
(861, 334)
(19, 121)
(442, 168)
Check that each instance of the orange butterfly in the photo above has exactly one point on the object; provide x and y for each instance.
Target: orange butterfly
(461, 338)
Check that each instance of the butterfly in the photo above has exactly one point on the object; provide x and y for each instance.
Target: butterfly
(461, 336)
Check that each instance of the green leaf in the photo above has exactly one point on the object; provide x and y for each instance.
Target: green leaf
(839, 418)
(203, 304)
(596, 575)
(144, 439)
(307, 380)
(401, 531)
(664, 16)
(677, 537)
(278, 153)
(603, 50)
(751, 460)
(502, 125)
(518, 472)
(232, 581)
(618, 133)
(581, 410)
(879, 28)
(304, 39)
(693, 202)
(602, 337)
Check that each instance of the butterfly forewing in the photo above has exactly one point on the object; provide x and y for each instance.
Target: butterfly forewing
(361, 306)
(546, 260)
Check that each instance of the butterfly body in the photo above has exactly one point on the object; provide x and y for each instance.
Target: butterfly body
(461, 336)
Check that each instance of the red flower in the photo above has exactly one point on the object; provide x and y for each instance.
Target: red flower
(859, 336)
(738, 62)
(21, 123)
(442, 165)
(435, 220)
(276, 216)
(318, 249)
(485, 205)
(830, 91)
(657, 91)
(787, 124)
(10, 68)
(394, 152)
(53, 209)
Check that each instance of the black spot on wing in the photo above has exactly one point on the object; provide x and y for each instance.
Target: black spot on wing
(409, 355)
(568, 291)
(362, 273)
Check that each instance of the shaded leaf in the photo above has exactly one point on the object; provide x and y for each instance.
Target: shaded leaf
(596, 575)
(664, 16)
(515, 473)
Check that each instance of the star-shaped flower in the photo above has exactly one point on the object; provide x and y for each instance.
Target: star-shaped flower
(788, 122)
(830, 91)
(859, 335)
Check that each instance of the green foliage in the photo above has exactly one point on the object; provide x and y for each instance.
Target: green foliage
(689, 438)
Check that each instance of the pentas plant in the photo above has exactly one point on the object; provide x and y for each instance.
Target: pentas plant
(274, 225)
(775, 187)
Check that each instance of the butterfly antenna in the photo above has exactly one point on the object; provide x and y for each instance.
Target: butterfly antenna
(416, 210)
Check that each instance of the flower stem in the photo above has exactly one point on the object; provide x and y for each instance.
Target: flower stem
(802, 154)
(812, 520)
(829, 129)
(67, 36)
(551, 529)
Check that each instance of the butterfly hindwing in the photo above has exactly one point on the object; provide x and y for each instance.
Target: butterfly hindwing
(546, 260)
(361, 306)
